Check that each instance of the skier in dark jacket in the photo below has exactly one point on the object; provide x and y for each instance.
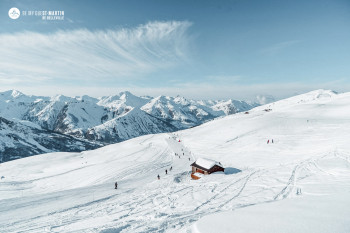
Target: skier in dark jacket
(166, 171)
(158, 177)
(116, 185)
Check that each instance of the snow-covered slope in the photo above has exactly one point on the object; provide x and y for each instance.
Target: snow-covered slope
(308, 163)
(110, 119)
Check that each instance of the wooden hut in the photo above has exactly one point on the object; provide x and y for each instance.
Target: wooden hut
(204, 166)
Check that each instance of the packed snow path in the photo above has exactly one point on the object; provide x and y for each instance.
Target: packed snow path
(74, 192)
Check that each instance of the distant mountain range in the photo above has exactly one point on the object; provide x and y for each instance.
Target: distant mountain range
(32, 125)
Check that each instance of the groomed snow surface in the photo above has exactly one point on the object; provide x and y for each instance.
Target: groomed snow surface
(299, 183)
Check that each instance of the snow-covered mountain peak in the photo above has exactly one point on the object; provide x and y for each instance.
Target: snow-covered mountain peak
(130, 99)
(11, 94)
(106, 100)
(17, 96)
(181, 100)
(86, 98)
(232, 106)
(16, 93)
(162, 98)
(62, 98)
(123, 99)
(125, 94)
(158, 103)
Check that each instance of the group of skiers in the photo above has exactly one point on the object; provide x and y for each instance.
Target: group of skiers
(176, 154)
(268, 141)
(166, 172)
(183, 154)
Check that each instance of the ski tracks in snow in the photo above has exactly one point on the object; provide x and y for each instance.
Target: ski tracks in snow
(172, 202)
(292, 181)
(289, 186)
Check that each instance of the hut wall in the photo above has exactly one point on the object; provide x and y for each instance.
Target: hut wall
(216, 169)
(199, 170)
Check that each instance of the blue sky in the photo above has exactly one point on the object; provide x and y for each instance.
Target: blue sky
(197, 49)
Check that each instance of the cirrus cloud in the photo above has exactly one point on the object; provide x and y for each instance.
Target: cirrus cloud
(74, 55)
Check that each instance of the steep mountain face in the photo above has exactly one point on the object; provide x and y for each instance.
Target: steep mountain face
(21, 139)
(109, 119)
(130, 125)
(188, 113)
(180, 111)
(233, 106)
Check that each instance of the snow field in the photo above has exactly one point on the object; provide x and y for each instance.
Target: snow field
(273, 187)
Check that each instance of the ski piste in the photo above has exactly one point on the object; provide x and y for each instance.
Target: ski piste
(306, 166)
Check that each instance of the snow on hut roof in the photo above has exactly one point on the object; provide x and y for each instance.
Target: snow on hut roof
(207, 163)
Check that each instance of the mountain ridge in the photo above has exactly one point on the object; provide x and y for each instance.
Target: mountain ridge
(110, 119)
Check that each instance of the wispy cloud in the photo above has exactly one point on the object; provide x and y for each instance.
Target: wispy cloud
(90, 55)
(225, 79)
(279, 47)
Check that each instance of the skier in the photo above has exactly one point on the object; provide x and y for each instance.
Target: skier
(298, 191)
(268, 141)
(189, 159)
(171, 168)
(166, 172)
(183, 153)
(116, 185)
(158, 177)
(271, 140)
